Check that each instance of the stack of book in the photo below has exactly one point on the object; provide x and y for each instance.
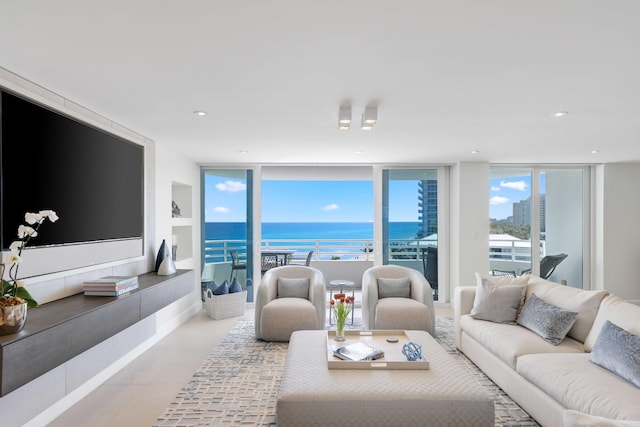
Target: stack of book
(110, 286)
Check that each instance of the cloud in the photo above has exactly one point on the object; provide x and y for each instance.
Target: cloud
(231, 186)
(498, 200)
(514, 185)
(330, 207)
(496, 188)
(220, 209)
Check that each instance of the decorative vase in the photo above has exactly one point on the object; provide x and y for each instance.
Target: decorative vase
(340, 329)
(167, 267)
(163, 253)
(12, 318)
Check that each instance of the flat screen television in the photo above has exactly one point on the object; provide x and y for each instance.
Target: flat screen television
(93, 179)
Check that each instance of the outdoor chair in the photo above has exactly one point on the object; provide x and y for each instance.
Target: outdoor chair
(235, 263)
(289, 298)
(548, 265)
(503, 273)
(301, 261)
(430, 267)
(397, 297)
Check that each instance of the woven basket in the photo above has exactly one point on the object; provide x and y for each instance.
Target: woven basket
(225, 306)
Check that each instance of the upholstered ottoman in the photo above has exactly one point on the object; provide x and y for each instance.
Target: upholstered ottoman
(311, 394)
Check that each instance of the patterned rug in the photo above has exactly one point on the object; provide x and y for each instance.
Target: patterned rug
(238, 383)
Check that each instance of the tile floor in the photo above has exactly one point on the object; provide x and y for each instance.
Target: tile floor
(140, 392)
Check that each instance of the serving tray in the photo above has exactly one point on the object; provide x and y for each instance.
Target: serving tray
(392, 359)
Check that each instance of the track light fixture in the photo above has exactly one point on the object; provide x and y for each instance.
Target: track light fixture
(369, 117)
(344, 117)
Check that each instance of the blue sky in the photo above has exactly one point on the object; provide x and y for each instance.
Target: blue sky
(308, 201)
(504, 192)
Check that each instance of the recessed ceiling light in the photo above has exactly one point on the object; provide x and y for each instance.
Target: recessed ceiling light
(560, 113)
(359, 151)
(242, 151)
(475, 151)
(595, 151)
(200, 113)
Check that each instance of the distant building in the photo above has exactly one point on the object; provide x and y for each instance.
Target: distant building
(522, 212)
(427, 207)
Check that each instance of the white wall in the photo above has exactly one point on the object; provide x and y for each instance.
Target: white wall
(617, 233)
(469, 222)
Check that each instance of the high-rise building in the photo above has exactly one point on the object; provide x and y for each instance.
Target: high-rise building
(427, 207)
(522, 212)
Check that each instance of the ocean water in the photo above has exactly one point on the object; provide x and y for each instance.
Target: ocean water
(309, 230)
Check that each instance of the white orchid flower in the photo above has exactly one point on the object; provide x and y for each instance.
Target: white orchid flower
(26, 231)
(53, 217)
(13, 258)
(32, 218)
(16, 245)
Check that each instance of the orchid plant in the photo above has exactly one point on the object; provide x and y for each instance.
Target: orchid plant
(13, 290)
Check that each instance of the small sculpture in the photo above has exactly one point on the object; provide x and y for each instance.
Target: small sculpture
(175, 210)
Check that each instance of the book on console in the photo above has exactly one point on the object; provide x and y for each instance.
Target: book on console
(358, 351)
(112, 292)
(111, 281)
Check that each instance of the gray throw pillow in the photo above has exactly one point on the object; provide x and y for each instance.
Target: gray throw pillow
(618, 350)
(496, 303)
(550, 322)
(394, 287)
(293, 287)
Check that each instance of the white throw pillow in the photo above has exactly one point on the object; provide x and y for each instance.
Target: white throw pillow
(495, 303)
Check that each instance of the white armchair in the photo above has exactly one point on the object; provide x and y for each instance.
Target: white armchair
(389, 302)
(290, 298)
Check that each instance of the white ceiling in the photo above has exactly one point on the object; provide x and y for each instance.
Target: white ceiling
(449, 76)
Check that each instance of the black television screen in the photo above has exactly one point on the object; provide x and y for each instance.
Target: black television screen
(94, 180)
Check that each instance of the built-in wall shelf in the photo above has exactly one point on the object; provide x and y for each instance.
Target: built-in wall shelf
(60, 330)
(182, 225)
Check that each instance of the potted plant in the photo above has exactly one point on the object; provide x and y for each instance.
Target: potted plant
(15, 299)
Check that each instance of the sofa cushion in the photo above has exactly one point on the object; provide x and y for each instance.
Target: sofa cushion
(510, 341)
(394, 287)
(547, 320)
(496, 303)
(281, 316)
(289, 287)
(402, 313)
(618, 311)
(618, 350)
(571, 418)
(576, 383)
(585, 303)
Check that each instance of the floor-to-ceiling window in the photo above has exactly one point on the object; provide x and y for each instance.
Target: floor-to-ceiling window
(410, 221)
(227, 242)
(539, 222)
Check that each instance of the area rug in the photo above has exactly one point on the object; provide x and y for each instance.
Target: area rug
(238, 383)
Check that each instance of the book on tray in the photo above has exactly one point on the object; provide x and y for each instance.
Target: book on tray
(358, 351)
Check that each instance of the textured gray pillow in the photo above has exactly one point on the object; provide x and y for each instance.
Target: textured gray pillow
(394, 287)
(496, 303)
(550, 322)
(293, 287)
(618, 350)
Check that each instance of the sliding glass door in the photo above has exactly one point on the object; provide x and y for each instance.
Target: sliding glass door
(227, 240)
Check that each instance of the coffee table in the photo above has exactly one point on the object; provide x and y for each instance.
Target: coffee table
(310, 393)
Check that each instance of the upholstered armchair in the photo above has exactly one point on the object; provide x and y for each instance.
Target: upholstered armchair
(290, 298)
(396, 297)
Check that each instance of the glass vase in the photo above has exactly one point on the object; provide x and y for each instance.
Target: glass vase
(12, 318)
(340, 329)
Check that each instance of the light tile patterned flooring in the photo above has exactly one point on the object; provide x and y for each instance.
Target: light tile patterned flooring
(140, 392)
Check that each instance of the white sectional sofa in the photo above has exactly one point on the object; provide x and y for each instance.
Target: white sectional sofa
(556, 384)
